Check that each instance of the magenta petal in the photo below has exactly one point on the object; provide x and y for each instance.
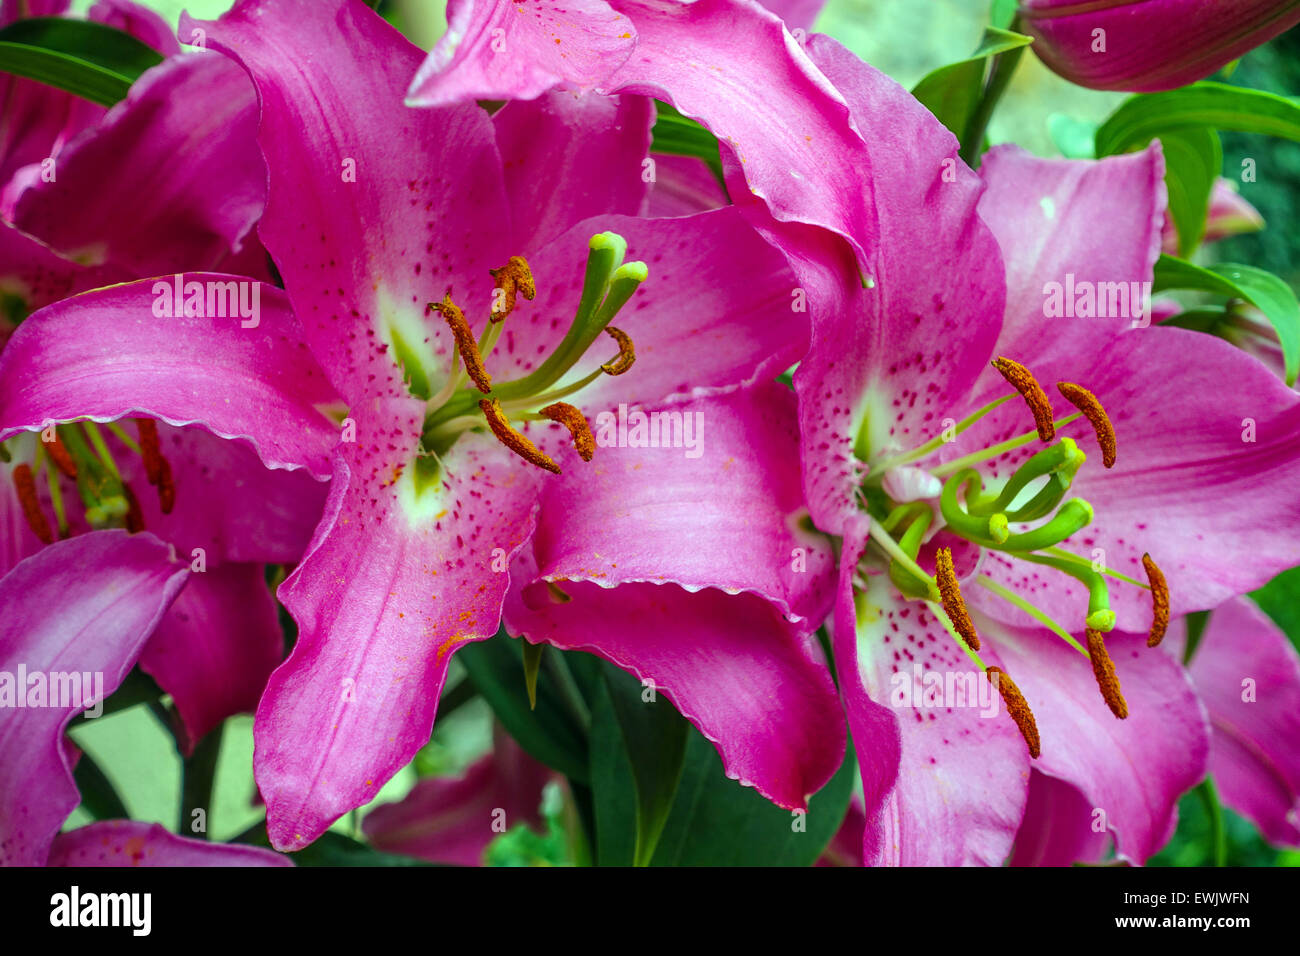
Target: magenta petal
(139, 21)
(366, 234)
(753, 683)
(568, 157)
(1044, 213)
(683, 186)
(85, 605)
(738, 328)
(105, 354)
(386, 593)
(1196, 38)
(216, 646)
(726, 514)
(518, 49)
(452, 820)
(1133, 770)
(797, 143)
(227, 502)
(895, 359)
(960, 763)
(1060, 827)
(189, 182)
(130, 843)
(1248, 676)
(797, 14)
(36, 276)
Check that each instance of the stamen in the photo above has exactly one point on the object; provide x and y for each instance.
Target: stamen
(150, 454)
(626, 353)
(1024, 382)
(465, 343)
(950, 596)
(1017, 708)
(25, 483)
(59, 455)
(1086, 402)
(166, 488)
(1159, 601)
(576, 423)
(134, 516)
(516, 442)
(1104, 670)
(513, 277)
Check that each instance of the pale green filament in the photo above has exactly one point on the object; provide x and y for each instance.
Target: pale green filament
(1036, 613)
(993, 451)
(1100, 616)
(880, 467)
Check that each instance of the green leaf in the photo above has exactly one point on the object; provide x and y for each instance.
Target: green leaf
(678, 135)
(553, 733)
(1280, 600)
(1145, 116)
(96, 62)
(1193, 160)
(952, 93)
(640, 739)
(1002, 13)
(717, 822)
(98, 795)
(1265, 291)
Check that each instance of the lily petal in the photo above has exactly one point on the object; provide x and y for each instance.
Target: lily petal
(569, 157)
(1248, 675)
(85, 605)
(389, 588)
(216, 647)
(945, 776)
(726, 513)
(1060, 827)
(130, 843)
(1132, 770)
(452, 820)
(189, 182)
(891, 361)
(519, 49)
(105, 354)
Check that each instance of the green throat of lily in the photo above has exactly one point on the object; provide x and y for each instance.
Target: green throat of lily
(1028, 517)
(470, 400)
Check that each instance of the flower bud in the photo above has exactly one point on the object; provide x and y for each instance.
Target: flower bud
(1143, 46)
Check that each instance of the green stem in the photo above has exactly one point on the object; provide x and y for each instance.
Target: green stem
(1000, 73)
(198, 772)
(1037, 614)
(98, 795)
(993, 451)
(1218, 834)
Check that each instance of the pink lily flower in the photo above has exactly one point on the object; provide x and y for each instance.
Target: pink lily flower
(926, 418)
(1148, 45)
(77, 616)
(432, 495)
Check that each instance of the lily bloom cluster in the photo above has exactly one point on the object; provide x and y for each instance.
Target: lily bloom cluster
(351, 310)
